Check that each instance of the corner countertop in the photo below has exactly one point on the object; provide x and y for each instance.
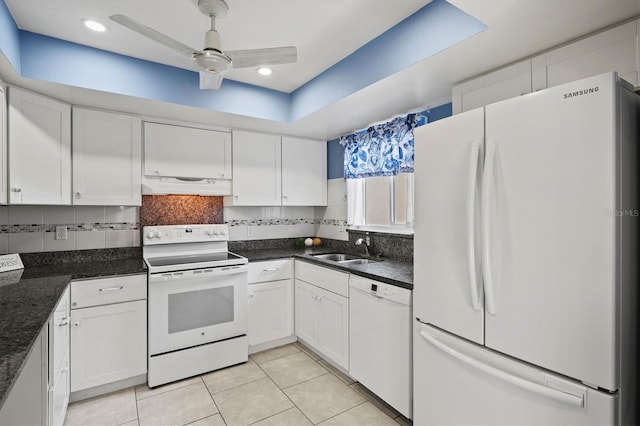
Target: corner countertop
(26, 307)
(390, 271)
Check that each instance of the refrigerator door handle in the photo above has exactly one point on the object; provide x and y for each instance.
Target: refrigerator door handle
(563, 397)
(487, 181)
(471, 219)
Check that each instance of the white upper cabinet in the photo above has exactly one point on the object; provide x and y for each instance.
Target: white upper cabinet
(505, 83)
(39, 149)
(106, 158)
(304, 172)
(186, 152)
(269, 170)
(612, 50)
(3, 146)
(616, 49)
(257, 175)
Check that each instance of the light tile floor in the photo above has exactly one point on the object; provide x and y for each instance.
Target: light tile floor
(289, 385)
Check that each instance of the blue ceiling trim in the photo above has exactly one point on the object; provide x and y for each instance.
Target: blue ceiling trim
(433, 28)
(50, 59)
(9, 37)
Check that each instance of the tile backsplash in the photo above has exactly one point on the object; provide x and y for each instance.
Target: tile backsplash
(29, 229)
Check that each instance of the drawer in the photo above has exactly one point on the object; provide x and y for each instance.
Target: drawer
(103, 291)
(270, 270)
(326, 278)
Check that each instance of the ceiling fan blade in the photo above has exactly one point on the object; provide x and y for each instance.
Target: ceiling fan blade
(269, 56)
(154, 35)
(210, 81)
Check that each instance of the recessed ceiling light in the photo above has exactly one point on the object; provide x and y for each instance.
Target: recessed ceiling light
(264, 71)
(93, 25)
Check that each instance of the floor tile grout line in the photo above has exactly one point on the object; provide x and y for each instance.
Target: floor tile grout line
(355, 406)
(169, 390)
(285, 394)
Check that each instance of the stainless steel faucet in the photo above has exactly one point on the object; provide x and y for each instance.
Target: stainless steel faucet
(366, 242)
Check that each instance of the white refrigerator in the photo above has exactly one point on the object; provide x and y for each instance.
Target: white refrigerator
(525, 270)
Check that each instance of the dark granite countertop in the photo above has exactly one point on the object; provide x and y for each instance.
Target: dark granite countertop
(27, 305)
(390, 271)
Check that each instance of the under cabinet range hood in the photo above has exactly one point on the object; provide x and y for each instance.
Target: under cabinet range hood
(161, 185)
(186, 160)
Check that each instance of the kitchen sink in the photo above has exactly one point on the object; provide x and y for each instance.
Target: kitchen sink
(344, 258)
(336, 257)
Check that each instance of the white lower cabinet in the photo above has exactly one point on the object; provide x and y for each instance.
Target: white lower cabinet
(40, 394)
(109, 331)
(59, 382)
(270, 302)
(322, 311)
(26, 404)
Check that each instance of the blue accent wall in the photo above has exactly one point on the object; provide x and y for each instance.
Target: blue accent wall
(433, 28)
(77, 65)
(439, 112)
(9, 37)
(335, 159)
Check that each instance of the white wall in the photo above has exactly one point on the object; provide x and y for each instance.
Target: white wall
(331, 220)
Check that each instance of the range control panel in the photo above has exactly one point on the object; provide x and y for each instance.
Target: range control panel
(171, 234)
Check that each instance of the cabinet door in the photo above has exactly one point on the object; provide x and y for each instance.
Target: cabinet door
(612, 50)
(256, 169)
(26, 403)
(106, 158)
(270, 311)
(505, 83)
(304, 172)
(333, 330)
(59, 393)
(39, 149)
(186, 152)
(108, 343)
(306, 309)
(3, 147)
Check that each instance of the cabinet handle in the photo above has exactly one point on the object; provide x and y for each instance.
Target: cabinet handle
(16, 190)
(75, 324)
(63, 322)
(109, 289)
(284, 197)
(251, 295)
(271, 270)
(78, 194)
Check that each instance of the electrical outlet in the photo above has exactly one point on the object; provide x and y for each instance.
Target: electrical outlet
(61, 232)
(250, 231)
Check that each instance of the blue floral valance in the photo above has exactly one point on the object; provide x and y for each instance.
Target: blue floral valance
(381, 150)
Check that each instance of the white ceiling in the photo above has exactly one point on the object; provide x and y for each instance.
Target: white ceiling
(324, 31)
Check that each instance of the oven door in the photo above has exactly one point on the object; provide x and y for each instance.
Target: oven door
(190, 308)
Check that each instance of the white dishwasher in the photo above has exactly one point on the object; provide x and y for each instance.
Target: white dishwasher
(380, 340)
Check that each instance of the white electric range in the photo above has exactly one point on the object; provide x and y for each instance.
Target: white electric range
(197, 293)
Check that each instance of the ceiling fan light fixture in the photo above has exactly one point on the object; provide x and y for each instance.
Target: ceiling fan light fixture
(94, 25)
(264, 71)
(212, 61)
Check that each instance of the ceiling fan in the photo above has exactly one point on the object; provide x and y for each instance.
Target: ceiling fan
(212, 60)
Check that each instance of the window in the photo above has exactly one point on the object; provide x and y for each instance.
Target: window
(381, 201)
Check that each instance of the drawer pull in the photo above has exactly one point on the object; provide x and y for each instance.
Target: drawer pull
(271, 270)
(64, 322)
(110, 289)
